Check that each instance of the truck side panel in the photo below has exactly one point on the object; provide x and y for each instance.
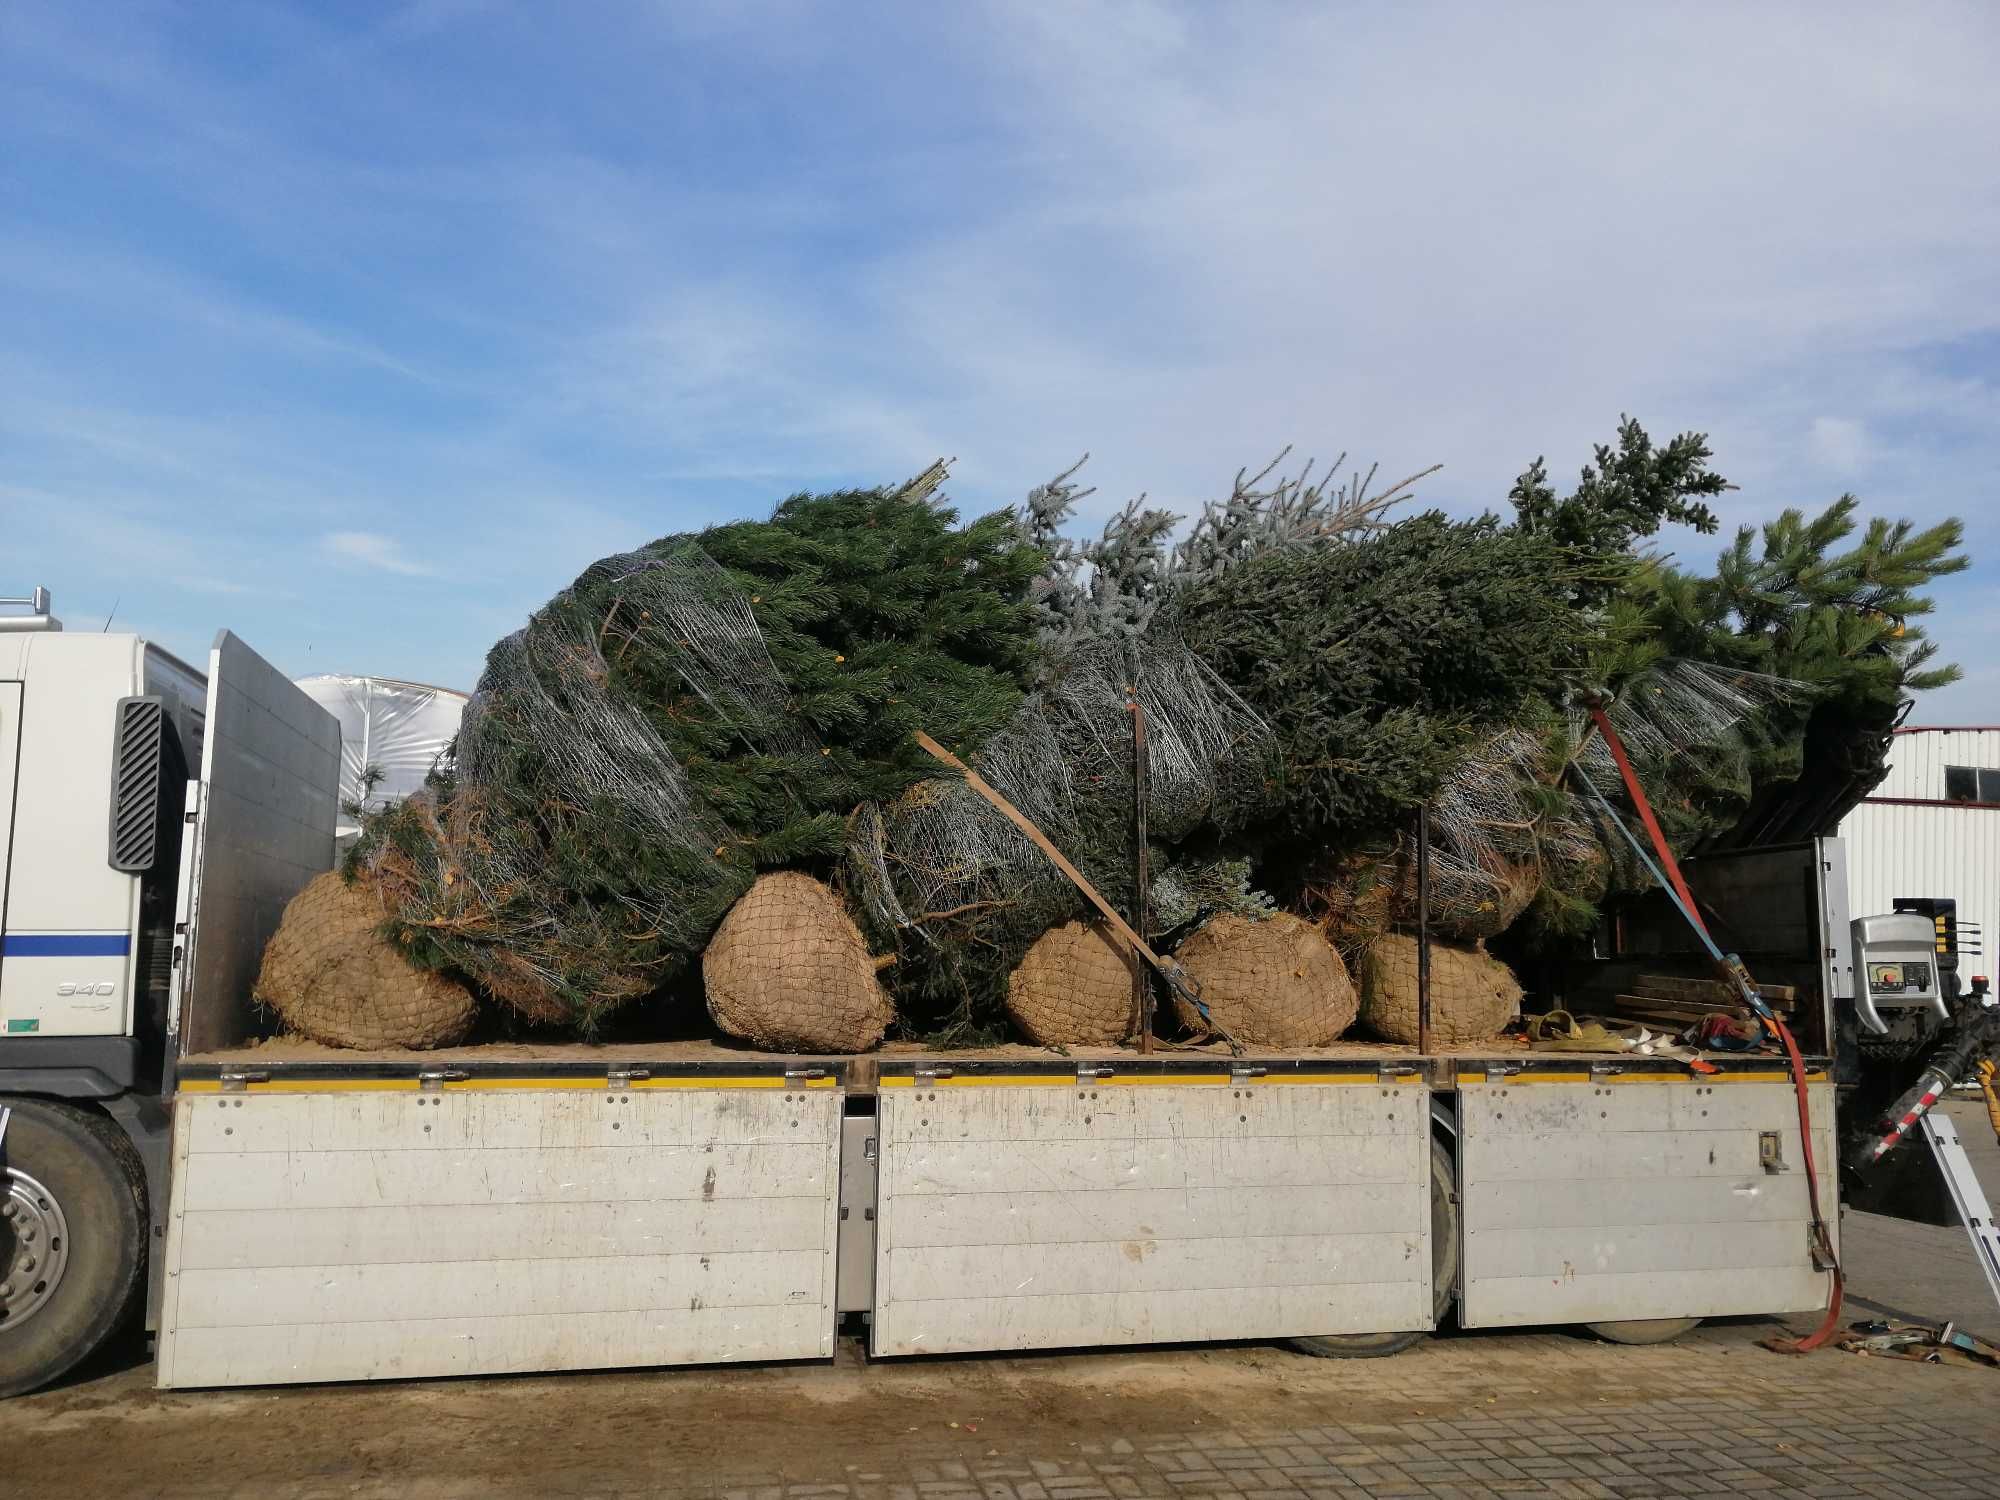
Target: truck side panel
(366, 1234)
(1050, 1214)
(270, 782)
(1616, 1198)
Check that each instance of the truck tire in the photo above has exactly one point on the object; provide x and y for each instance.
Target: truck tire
(1444, 1274)
(72, 1238)
(1643, 1330)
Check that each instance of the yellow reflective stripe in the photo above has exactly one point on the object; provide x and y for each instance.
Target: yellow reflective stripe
(1130, 1080)
(1513, 1080)
(460, 1085)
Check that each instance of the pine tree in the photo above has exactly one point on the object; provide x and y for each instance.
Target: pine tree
(688, 714)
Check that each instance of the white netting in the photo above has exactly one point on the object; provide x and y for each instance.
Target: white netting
(1676, 708)
(942, 851)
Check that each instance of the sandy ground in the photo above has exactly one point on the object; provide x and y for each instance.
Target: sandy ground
(1557, 1411)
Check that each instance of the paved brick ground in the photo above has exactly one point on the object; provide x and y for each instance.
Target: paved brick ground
(1548, 1414)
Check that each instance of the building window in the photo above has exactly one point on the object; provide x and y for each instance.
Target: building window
(1971, 784)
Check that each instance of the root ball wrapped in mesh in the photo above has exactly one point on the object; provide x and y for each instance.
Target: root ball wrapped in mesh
(1473, 994)
(330, 976)
(1275, 982)
(1075, 986)
(788, 971)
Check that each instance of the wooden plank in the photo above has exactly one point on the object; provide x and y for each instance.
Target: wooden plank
(377, 1234)
(1627, 1155)
(1102, 1167)
(1591, 1205)
(1563, 1251)
(497, 1345)
(1626, 1106)
(412, 1291)
(1157, 1264)
(1139, 1214)
(574, 1119)
(1194, 1112)
(969, 1324)
(355, 1179)
(1648, 1294)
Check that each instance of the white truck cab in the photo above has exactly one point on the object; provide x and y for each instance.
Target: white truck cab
(97, 735)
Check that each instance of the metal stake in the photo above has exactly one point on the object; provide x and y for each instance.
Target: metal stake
(1424, 931)
(1141, 875)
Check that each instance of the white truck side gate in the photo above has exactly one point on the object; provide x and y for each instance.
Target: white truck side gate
(262, 826)
(1026, 1212)
(477, 1228)
(1602, 1198)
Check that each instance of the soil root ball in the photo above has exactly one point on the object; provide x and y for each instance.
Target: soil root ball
(788, 971)
(1074, 986)
(330, 975)
(1272, 983)
(1473, 994)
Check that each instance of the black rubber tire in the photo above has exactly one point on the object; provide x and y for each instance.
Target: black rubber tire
(92, 1170)
(1643, 1330)
(1444, 1274)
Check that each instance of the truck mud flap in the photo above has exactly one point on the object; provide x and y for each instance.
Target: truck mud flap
(1025, 1209)
(382, 1231)
(1625, 1195)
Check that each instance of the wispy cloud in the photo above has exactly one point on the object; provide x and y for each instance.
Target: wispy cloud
(371, 549)
(301, 290)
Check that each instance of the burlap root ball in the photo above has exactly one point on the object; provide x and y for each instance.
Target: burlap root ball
(330, 976)
(1472, 903)
(1271, 983)
(789, 971)
(1473, 994)
(1074, 987)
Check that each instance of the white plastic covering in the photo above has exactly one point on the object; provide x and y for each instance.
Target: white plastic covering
(399, 728)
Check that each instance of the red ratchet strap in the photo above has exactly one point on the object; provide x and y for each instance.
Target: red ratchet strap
(1667, 862)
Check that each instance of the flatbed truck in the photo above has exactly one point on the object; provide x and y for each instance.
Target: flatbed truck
(281, 1213)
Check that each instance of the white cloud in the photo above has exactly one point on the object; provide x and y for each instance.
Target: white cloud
(1839, 444)
(837, 247)
(373, 550)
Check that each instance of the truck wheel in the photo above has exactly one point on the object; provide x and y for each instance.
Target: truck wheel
(1643, 1330)
(1444, 1274)
(72, 1238)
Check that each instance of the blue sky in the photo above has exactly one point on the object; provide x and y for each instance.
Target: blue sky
(361, 328)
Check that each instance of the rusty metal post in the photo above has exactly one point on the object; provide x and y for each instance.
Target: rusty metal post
(1141, 874)
(1424, 931)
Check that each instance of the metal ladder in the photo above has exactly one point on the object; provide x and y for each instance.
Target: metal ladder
(1974, 1212)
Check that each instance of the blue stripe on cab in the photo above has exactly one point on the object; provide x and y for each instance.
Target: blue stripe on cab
(65, 945)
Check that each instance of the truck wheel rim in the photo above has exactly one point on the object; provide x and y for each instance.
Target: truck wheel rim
(34, 1247)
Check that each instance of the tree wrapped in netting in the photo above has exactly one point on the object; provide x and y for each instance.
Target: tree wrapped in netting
(686, 715)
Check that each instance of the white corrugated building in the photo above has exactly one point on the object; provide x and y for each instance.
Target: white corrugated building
(1932, 828)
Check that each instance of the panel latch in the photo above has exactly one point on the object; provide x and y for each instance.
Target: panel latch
(1243, 1072)
(430, 1080)
(1087, 1073)
(798, 1078)
(236, 1083)
(1771, 1151)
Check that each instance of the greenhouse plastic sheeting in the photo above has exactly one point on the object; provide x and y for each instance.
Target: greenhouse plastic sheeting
(399, 728)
